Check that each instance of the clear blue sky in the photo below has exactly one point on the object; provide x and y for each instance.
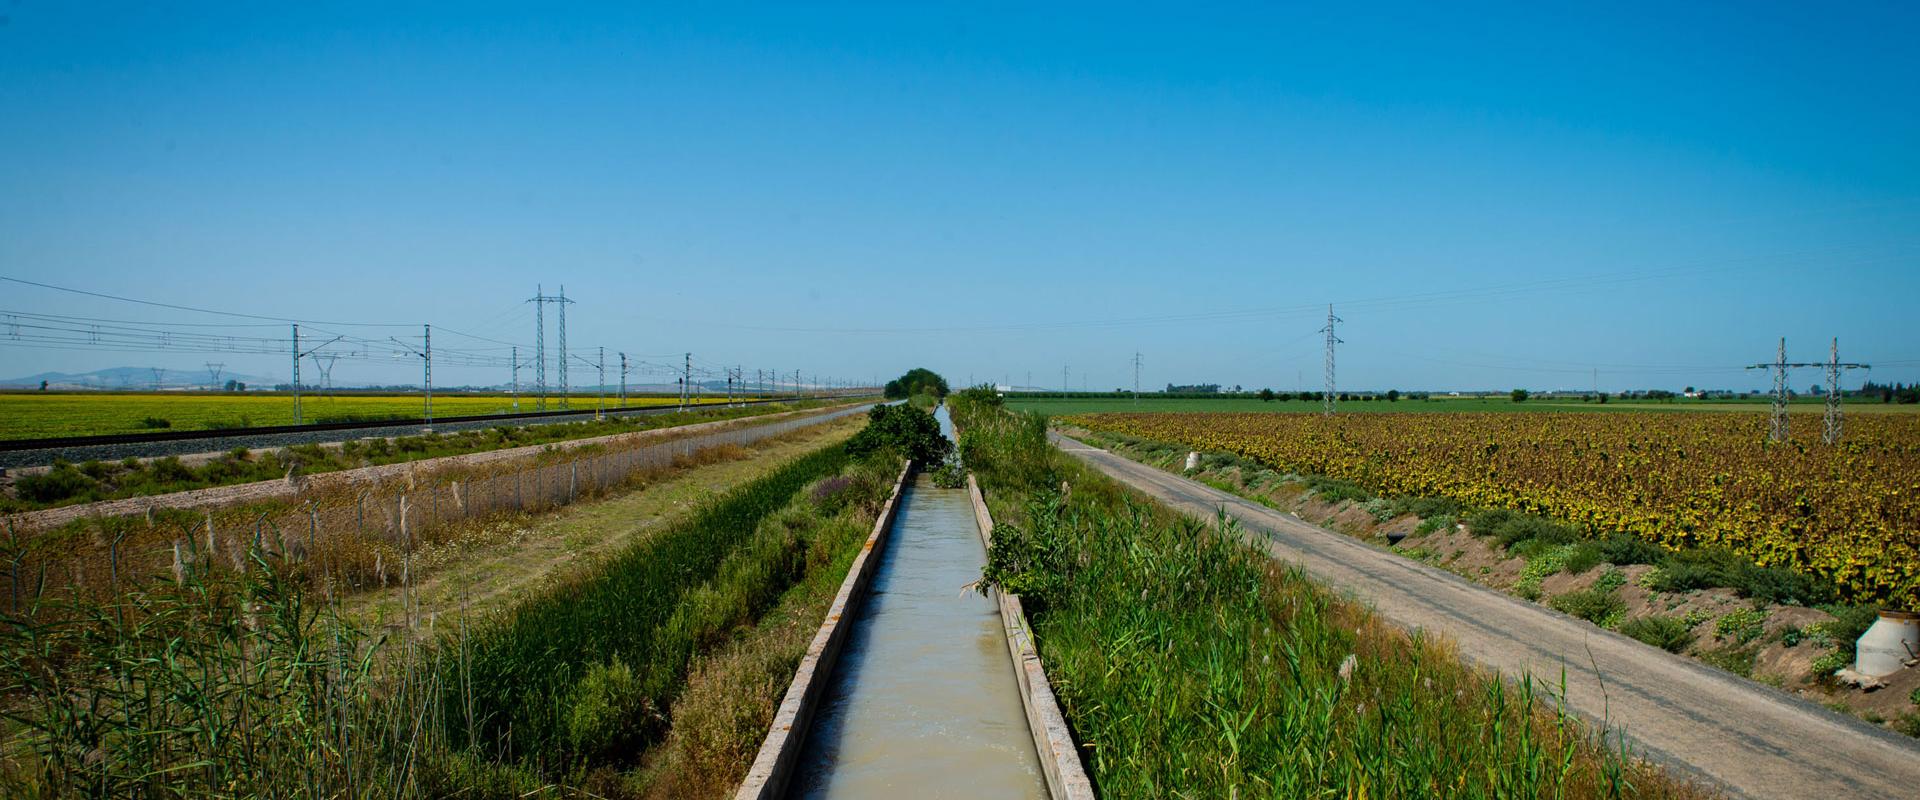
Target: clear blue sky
(990, 191)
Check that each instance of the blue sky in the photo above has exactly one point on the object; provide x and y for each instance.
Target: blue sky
(1495, 195)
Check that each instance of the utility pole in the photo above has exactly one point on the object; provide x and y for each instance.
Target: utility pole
(600, 396)
(566, 401)
(426, 375)
(297, 355)
(213, 374)
(623, 380)
(514, 385)
(539, 302)
(1064, 387)
(796, 386)
(159, 377)
(686, 380)
(729, 388)
(1136, 377)
(1327, 403)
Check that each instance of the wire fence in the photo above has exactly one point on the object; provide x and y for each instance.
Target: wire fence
(352, 536)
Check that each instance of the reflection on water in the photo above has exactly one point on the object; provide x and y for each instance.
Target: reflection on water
(923, 701)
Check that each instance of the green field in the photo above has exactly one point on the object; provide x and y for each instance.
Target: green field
(1148, 403)
(34, 415)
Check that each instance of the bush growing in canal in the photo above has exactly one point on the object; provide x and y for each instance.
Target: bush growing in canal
(905, 430)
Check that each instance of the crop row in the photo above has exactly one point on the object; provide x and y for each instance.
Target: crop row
(1848, 513)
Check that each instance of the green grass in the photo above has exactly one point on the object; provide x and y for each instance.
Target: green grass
(1187, 661)
(1054, 406)
(35, 415)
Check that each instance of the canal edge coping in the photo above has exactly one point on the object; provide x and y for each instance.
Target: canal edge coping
(780, 752)
(1052, 739)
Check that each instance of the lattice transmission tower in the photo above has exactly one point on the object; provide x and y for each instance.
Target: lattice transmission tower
(1777, 425)
(1327, 402)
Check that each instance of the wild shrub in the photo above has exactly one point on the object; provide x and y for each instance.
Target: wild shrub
(1591, 605)
(1334, 490)
(1585, 556)
(1664, 632)
(1742, 626)
(1622, 549)
(155, 423)
(60, 484)
(1708, 567)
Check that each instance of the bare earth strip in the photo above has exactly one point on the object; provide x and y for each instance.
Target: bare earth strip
(269, 490)
(1749, 739)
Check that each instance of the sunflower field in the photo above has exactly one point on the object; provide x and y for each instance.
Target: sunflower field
(1850, 513)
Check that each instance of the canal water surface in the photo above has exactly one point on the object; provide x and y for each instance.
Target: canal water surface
(923, 701)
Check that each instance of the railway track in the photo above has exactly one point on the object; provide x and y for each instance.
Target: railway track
(18, 453)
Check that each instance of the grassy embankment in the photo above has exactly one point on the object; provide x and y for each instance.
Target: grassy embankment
(67, 483)
(1663, 596)
(651, 673)
(34, 415)
(1058, 406)
(1183, 658)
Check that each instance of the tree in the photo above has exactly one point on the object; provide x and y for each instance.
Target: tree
(1266, 395)
(918, 380)
(904, 429)
(1602, 397)
(1519, 395)
(1393, 395)
(43, 387)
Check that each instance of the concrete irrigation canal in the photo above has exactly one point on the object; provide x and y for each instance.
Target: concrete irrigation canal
(912, 687)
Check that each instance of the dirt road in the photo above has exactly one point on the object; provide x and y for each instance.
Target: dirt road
(1749, 739)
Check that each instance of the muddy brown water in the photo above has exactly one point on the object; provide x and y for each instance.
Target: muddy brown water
(923, 701)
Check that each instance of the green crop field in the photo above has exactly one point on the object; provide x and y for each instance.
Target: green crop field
(1061, 406)
(33, 415)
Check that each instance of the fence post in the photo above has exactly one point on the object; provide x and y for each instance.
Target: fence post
(573, 480)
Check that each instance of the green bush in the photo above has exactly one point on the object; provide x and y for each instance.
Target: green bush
(1742, 626)
(1666, 633)
(1589, 604)
(61, 483)
(905, 430)
(1622, 549)
(155, 423)
(1737, 660)
(1708, 567)
(1334, 490)
(1585, 556)
(603, 706)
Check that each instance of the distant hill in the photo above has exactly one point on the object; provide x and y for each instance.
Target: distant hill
(129, 378)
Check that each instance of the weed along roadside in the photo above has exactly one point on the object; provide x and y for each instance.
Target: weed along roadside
(1181, 657)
